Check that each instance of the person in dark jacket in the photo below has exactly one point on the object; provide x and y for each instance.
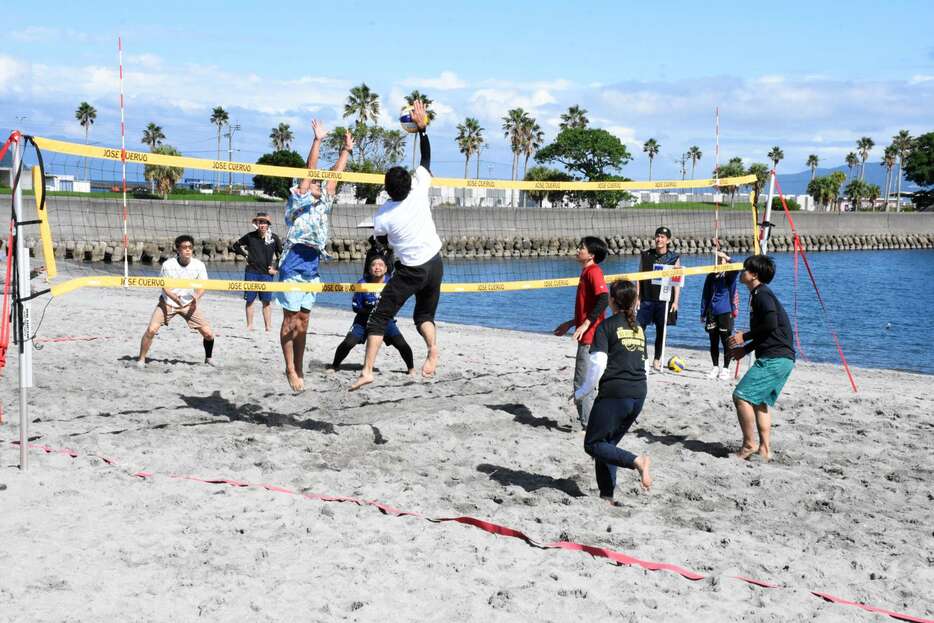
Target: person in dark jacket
(262, 249)
(771, 338)
(719, 306)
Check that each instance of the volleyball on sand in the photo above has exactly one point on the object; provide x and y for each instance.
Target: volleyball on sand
(676, 364)
(407, 122)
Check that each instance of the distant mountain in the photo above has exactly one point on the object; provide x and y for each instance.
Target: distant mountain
(797, 183)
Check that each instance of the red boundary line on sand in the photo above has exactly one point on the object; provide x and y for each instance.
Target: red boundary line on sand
(597, 552)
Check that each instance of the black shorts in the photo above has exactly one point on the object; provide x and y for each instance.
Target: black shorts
(721, 323)
(423, 281)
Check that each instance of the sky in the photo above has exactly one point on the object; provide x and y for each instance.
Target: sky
(810, 77)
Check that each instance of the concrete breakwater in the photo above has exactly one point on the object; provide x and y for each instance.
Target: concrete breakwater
(218, 250)
(91, 229)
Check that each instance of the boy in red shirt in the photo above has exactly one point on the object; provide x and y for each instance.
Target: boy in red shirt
(592, 299)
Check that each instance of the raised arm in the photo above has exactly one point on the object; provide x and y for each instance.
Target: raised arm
(341, 163)
(312, 162)
(420, 117)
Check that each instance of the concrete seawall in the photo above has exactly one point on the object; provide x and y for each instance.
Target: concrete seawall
(92, 229)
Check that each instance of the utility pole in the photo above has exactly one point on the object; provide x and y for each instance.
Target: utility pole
(230, 132)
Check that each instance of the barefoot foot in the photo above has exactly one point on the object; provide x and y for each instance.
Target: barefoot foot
(643, 466)
(765, 454)
(745, 452)
(365, 379)
(412, 372)
(296, 382)
(431, 362)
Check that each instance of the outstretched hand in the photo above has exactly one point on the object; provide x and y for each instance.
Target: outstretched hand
(419, 115)
(348, 141)
(319, 130)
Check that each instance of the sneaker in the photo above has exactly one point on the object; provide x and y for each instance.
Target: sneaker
(726, 375)
(140, 364)
(714, 373)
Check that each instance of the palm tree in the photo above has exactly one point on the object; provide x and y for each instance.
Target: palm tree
(889, 158)
(651, 148)
(694, 153)
(864, 145)
(220, 118)
(513, 124)
(533, 137)
(86, 114)
(469, 138)
(281, 137)
(903, 144)
(776, 155)
(812, 162)
(852, 161)
(410, 99)
(363, 103)
(152, 136)
(575, 117)
(165, 177)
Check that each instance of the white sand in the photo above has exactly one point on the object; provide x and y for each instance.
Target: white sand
(845, 508)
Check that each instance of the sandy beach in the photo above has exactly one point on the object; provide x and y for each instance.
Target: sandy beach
(845, 507)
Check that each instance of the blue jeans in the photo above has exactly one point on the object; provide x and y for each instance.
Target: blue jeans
(610, 419)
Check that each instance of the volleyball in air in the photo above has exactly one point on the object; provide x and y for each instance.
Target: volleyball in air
(406, 121)
(676, 364)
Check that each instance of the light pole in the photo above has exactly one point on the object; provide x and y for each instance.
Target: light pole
(230, 132)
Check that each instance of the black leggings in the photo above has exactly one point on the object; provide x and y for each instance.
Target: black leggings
(719, 329)
(396, 341)
(716, 339)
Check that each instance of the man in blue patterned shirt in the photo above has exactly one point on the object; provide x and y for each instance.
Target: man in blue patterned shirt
(307, 211)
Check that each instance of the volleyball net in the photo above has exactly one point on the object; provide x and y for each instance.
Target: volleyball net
(497, 235)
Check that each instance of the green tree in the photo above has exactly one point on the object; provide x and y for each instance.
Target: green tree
(575, 117)
(278, 186)
(903, 145)
(733, 168)
(219, 118)
(812, 163)
(919, 168)
(855, 192)
(776, 155)
(651, 148)
(469, 139)
(852, 161)
(410, 99)
(362, 103)
(86, 114)
(152, 136)
(864, 145)
(546, 174)
(376, 149)
(591, 153)
(825, 189)
(163, 177)
(281, 137)
(694, 153)
(761, 171)
(889, 157)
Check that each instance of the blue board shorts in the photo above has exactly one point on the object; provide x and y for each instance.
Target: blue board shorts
(250, 295)
(763, 382)
(296, 301)
(359, 331)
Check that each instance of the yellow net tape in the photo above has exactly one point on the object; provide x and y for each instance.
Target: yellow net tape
(141, 157)
(45, 233)
(276, 286)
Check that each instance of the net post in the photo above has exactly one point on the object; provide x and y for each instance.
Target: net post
(23, 308)
(766, 230)
(45, 232)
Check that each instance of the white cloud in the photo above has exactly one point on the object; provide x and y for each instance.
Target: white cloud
(447, 81)
(920, 79)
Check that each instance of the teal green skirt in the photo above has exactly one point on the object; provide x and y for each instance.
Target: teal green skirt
(763, 382)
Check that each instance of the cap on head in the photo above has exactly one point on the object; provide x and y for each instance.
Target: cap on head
(664, 231)
(261, 217)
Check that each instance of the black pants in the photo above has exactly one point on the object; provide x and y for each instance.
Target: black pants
(396, 341)
(610, 420)
(719, 329)
(423, 281)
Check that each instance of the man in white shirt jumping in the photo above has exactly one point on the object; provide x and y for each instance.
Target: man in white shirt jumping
(405, 223)
(180, 301)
